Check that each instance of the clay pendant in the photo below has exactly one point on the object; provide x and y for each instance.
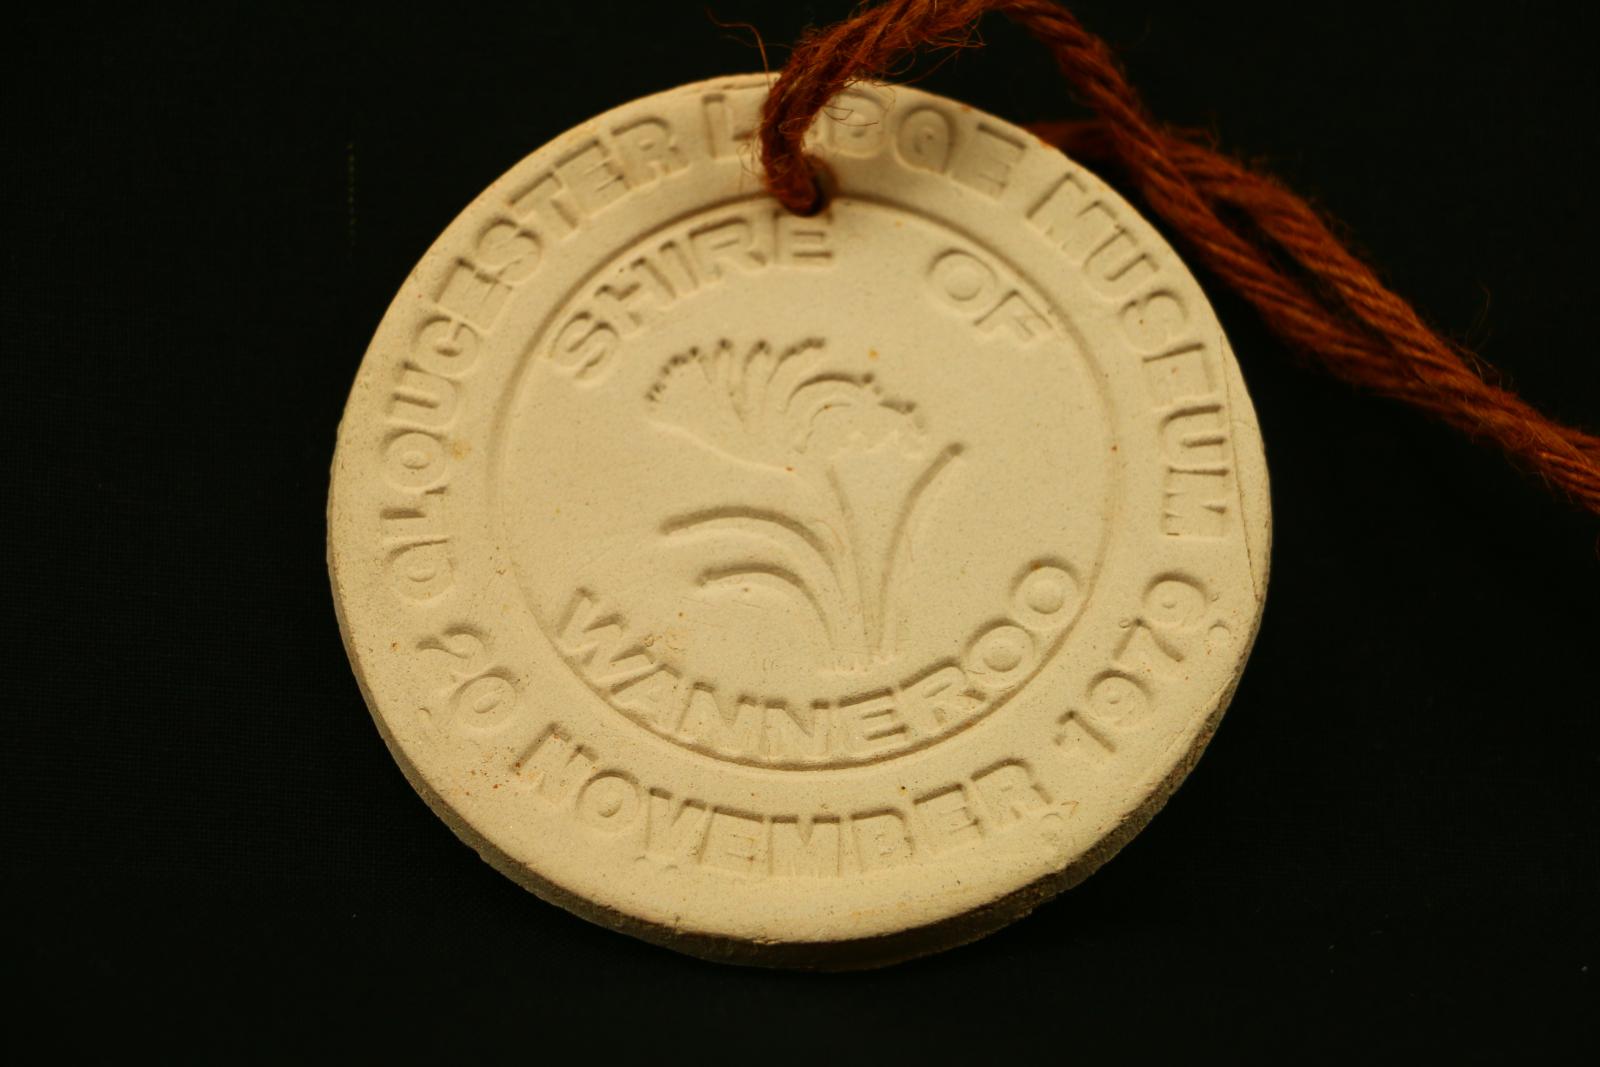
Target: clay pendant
(803, 591)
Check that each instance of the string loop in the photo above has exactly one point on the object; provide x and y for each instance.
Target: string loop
(1262, 240)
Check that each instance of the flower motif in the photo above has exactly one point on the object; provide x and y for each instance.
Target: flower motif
(859, 461)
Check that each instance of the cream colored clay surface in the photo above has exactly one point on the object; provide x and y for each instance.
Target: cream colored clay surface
(806, 591)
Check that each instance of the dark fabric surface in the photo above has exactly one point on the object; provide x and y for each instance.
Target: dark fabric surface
(1390, 846)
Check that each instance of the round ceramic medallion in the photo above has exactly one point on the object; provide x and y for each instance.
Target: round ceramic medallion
(815, 591)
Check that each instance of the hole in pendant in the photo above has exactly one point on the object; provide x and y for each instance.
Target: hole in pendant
(823, 184)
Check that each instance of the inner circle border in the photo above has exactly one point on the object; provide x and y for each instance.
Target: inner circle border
(518, 385)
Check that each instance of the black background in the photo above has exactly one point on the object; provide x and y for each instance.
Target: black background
(1391, 844)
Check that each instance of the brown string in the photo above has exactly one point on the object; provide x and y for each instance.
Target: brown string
(1277, 253)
